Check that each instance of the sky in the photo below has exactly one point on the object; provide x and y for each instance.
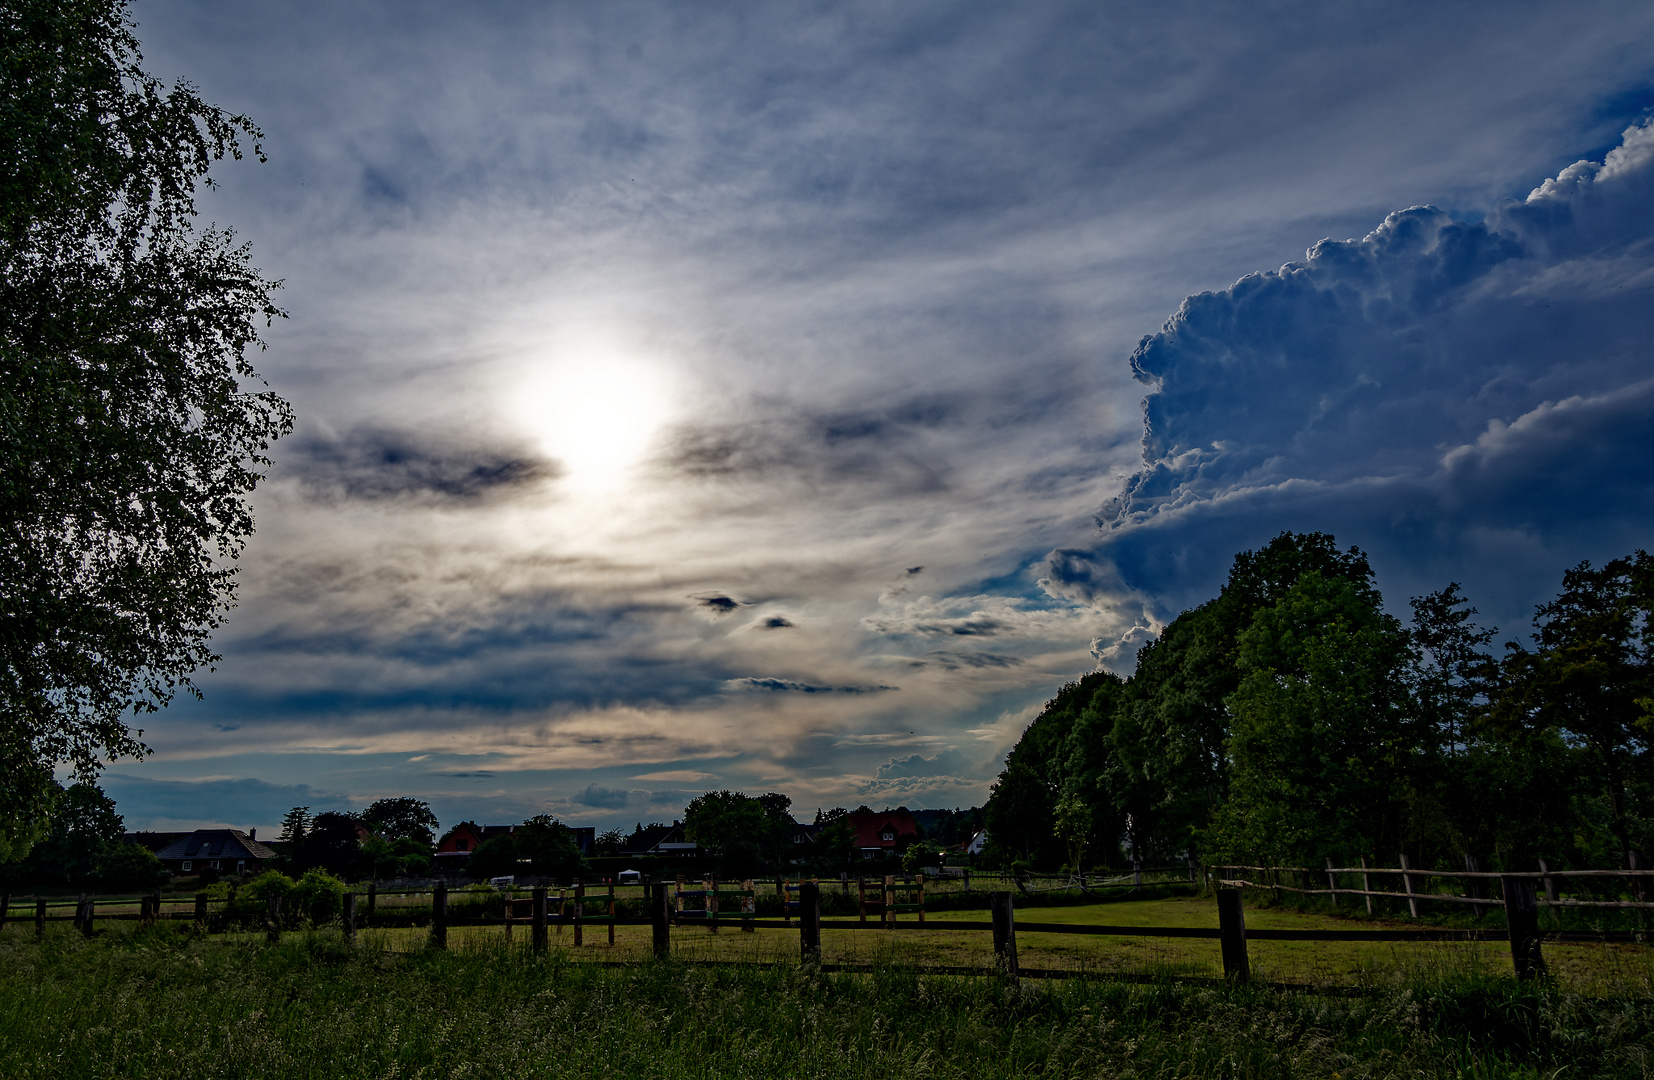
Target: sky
(793, 396)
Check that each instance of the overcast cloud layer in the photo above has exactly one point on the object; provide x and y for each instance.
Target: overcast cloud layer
(703, 396)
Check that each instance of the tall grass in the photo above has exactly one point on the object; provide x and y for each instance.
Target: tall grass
(160, 1003)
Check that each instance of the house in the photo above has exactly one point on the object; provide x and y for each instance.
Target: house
(228, 851)
(978, 840)
(659, 840)
(881, 833)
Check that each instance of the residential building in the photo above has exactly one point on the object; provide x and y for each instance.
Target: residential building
(227, 851)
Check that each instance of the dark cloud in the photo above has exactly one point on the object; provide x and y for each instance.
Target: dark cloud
(603, 798)
(146, 803)
(377, 464)
(915, 571)
(953, 661)
(1436, 391)
(719, 603)
(776, 622)
(1080, 576)
(946, 763)
(793, 687)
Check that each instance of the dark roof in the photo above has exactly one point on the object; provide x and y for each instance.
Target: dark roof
(871, 825)
(215, 844)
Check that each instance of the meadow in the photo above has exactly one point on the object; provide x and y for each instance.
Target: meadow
(168, 1001)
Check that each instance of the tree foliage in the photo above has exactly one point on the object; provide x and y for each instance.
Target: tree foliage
(1292, 718)
(746, 833)
(401, 818)
(132, 425)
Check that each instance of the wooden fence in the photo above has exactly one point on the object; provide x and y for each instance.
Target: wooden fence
(668, 909)
(1414, 884)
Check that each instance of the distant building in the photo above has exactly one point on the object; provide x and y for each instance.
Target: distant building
(974, 845)
(883, 832)
(228, 851)
(659, 840)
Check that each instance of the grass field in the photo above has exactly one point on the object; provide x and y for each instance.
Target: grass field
(1593, 969)
(162, 1002)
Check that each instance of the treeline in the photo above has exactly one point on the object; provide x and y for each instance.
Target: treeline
(1291, 719)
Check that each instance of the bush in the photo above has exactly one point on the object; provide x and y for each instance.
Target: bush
(317, 896)
(256, 895)
(130, 866)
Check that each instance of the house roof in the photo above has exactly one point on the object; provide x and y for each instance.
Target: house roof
(871, 826)
(215, 844)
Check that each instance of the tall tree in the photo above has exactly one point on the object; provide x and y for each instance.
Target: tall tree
(132, 426)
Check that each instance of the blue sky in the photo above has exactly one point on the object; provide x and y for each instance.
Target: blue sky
(754, 396)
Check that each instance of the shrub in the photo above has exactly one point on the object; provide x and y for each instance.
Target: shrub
(317, 896)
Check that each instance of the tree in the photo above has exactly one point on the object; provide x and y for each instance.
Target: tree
(333, 842)
(744, 832)
(295, 826)
(132, 426)
(401, 819)
(1591, 679)
(541, 845)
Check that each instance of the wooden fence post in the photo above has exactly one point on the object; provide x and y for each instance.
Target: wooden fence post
(156, 903)
(967, 876)
(579, 913)
(1639, 885)
(40, 917)
(272, 917)
(861, 896)
(921, 880)
(1136, 873)
(1005, 933)
(5, 908)
(889, 914)
(611, 913)
(538, 937)
(1367, 884)
(373, 895)
(1522, 917)
(350, 916)
(1232, 927)
(80, 910)
(749, 908)
(809, 922)
(844, 882)
(90, 908)
(663, 923)
(1332, 883)
(1407, 884)
(1475, 888)
(1550, 882)
(439, 916)
(201, 911)
(146, 915)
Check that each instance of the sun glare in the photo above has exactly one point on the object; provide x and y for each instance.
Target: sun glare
(596, 413)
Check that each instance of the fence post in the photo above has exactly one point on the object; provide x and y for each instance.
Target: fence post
(439, 916)
(844, 882)
(373, 895)
(146, 915)
(80, 910)
(749, 908)
(861, 896)
(156, 904)
(1639, 885)
(350, 916)
(663, 923)
(273, 914)
(1367, 884)
(612, 912)
(921, 880)
(1005, 933)
(201, 910)
(1407, 884)
(1332, 883)
(889, 913)
(1550, 882)
(579, 913)
(1136, 873)
(1475, 888)
(538, 936)
(5, 908)
(1232, 927)
(809, 922)
(90, 905)
(1522, 917)
(40, 917)
(967, 879)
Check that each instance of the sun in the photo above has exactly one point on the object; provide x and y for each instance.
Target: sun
(596, 411)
